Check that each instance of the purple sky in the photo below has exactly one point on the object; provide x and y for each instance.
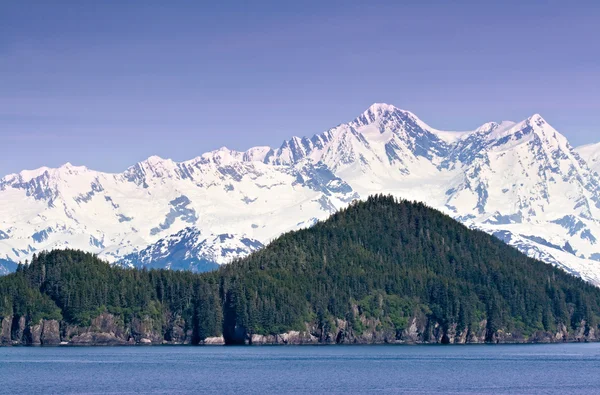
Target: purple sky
(108, 83)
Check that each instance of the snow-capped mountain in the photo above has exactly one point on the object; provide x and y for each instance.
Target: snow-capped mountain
(115, 215)
(522, 182)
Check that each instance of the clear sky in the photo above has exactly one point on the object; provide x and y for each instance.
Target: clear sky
(108, 83)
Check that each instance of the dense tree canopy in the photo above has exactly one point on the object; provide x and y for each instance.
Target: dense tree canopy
(382, 258)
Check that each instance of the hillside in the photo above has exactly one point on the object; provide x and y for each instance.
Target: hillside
(378, 271)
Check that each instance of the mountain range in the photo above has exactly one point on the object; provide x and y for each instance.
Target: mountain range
(522, 182)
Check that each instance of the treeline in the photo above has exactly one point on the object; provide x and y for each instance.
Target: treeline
(380, 260)
(76, 287)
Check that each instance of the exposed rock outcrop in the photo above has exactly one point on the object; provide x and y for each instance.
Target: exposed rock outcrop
(44, 332)
(176, 333)
(97, 339)
(418, 331)
(146, 331)
(103, 330)
(50, 334)
(291, 337)
(106, 329)
(5, 330)
(214, 341)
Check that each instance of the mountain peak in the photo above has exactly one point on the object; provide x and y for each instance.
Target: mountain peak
(378, 111)
(487, 127)
(536, 119)
(495, 128)
(222, 155)
(156, 165)
(155, 159)
(70, 167)
(381, 107)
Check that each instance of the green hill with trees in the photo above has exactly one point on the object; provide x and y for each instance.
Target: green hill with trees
(378, 271)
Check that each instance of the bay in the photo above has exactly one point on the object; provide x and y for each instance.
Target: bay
(473, 369)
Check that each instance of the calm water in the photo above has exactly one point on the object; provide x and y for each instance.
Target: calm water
(543, 369)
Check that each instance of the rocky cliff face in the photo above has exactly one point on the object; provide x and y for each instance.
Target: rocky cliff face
(107, 330)
(419, 330)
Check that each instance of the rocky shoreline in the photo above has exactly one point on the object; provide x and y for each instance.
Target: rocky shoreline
(108, 330)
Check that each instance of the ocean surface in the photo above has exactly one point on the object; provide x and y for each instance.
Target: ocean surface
(474, 369)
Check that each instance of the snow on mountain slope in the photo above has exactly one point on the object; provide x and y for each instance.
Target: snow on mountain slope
(591, 154)
(190, 249)
(118, 214)
(529, 181)
(522, 182)
(529, 171)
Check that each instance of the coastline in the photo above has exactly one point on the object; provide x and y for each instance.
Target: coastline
(108, 330)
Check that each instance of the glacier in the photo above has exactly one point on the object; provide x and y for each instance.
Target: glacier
(519, 181)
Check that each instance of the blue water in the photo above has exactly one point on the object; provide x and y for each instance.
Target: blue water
(498, 369)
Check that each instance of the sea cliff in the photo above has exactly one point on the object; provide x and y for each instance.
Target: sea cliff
(108, 330)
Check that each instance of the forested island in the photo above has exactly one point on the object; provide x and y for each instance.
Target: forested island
(380, 271)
